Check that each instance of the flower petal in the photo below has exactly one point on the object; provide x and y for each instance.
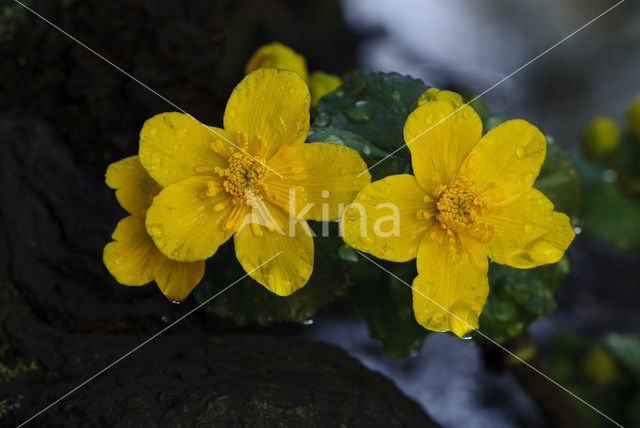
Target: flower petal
(288, 247)
(173, 144)
(439, 140)
(132, 258)
(325, 175)
(270, 105)
(184, 222)
(508, 156)
(277, 55)
(177, 279)
(321, 83)
(451, 289)
(368, 224)
(132, 183)
(528, 233)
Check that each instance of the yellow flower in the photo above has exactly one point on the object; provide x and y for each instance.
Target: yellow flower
(434, 94)
(471, 198)
(320, 84)
(132, 257)
(633, 117)
(277, 55)
(256, 179)
(600, 137)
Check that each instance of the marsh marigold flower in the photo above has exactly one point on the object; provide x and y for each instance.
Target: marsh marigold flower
(470, 199)
(321, 83)
(277, 55)
(256, 180)
(132, 257)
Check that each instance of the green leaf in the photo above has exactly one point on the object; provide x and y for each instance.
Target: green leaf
(612, 197)
(372, 105)
(345, 138)
(248, 302)
(559, 181)
(627, 349)
(385, 304)
(596, 372)
(518, 296)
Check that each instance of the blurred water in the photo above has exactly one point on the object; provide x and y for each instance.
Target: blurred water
(447, 377)
(462, 44)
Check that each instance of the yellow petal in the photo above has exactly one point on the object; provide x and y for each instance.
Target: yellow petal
(177, 279)
(528, 233)
(435, 94)
(321, 83)
(277, 55)
(369, 224)
(270, 105)
(452, 288)
(132, 183)
(439, 140)
(172, 145)
(325, 175)
(131, 257)
(185, 224)
(290, 242)
(508, 156)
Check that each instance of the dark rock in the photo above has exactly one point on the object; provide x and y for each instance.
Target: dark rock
(229, 380)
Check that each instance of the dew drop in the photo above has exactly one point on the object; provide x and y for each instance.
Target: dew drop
(165, 318)
(577, 230)
(609, 176)
(339, 92)
(155, 230)
(366, 150)
(322, 120)
(182, 133)
(528, 177)
(520, 152)
(233, 112)
(292, 91)
(307, 321)
(361, 111)
(396, 95)
(153, 131)
(528, 227)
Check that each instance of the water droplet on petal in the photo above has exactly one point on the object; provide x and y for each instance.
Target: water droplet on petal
(528, 227)
(155, 230)
(182, 133)
(153, 131)
(520, 152)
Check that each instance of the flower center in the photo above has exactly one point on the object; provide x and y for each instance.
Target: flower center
(244, 177)
(457, 205)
